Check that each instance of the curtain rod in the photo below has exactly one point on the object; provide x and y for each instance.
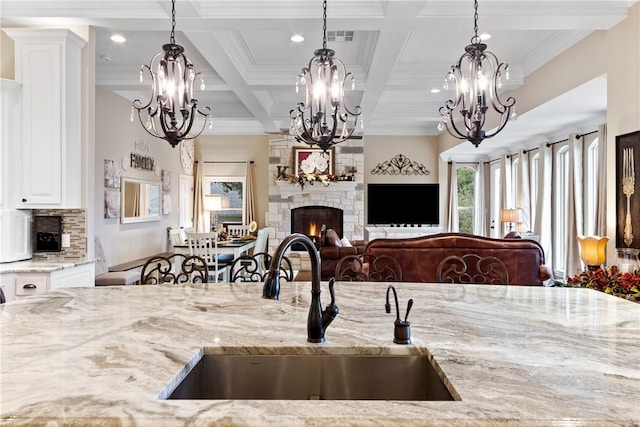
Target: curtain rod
(213, 161)
(549, 144)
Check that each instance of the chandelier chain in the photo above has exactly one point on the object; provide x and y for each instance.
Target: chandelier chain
(324, 24)
(475, 19)
(173, 22)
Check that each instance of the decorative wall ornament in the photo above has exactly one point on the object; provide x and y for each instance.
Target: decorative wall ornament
(111, 204)
(400, 165)
(112, 173)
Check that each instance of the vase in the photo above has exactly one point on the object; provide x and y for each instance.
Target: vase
(628, 260)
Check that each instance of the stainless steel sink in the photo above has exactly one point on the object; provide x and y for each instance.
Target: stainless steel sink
(304, 377)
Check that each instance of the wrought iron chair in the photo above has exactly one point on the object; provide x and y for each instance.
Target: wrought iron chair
(368, 268)
(175, 269)
(254, 268)
(472, 268)
(2, 298)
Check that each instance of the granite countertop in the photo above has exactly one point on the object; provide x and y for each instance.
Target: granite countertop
(513, 356)
(41, 266)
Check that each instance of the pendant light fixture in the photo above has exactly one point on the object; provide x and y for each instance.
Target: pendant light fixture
(172, 110)
(477, 76)
(324, 119)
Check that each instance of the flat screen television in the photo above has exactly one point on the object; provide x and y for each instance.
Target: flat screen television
(403, 204)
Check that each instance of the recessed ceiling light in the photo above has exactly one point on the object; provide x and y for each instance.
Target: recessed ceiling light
(118, 38)
(297, 38)
(436, 90)
(485, 36)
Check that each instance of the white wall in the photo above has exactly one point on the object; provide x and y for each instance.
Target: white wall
(115, 136)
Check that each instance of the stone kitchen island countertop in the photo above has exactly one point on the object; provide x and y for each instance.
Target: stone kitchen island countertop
(510, 355)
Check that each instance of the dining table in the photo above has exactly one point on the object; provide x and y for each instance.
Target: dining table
(233, 247)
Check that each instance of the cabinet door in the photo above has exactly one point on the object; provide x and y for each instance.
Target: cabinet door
(81, 276)
(48, 65)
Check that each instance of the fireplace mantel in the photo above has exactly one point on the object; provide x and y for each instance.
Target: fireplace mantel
(288, 189)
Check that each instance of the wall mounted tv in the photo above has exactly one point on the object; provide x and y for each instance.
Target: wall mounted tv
(403, 204)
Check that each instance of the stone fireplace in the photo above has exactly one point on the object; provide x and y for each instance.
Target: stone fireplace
(347, 196)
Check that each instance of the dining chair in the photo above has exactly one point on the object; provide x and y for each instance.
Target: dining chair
(235, 231)
(205, 245)
(175, 269)
(177, 236)
(368, 267)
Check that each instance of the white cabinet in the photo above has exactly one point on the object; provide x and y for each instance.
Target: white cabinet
(32, 283)
(15, 226)
(10, 140)
(371, 233)
(48, 65)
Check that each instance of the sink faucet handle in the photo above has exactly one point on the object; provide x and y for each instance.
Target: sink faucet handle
(332, 310)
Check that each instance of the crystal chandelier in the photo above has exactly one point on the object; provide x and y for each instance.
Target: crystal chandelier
(172, 109)
(477, 76)
(324, 119)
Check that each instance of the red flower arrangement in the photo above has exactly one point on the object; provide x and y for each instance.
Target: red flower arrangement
(610, 281)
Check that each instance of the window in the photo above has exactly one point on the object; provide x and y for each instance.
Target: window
(466, 197)
(590, 187)
(231, 190)
(561, 188)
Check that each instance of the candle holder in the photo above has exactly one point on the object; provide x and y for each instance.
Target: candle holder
(628, 261)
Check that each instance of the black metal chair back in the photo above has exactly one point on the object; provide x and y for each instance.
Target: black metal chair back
(175, 269)
(473, 269)
(368, 268)
(254, 268)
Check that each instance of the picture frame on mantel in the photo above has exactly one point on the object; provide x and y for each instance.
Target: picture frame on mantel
(313, 161)
(630, 144)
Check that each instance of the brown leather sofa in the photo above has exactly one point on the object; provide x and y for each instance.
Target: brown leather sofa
(438, 257)
(332, 250)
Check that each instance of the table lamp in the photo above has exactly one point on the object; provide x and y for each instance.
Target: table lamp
(511, 216)
(593, 250)
(212, 204)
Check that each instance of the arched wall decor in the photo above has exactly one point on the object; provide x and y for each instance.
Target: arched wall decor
(400, 165)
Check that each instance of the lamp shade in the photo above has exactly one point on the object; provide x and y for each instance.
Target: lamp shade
(593, 249)
(212, 202)
(511, 215)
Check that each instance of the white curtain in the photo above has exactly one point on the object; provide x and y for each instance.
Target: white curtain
(480, 215)
(601, 179)
(505, 187)
(524, 197)
(452, 226)
(574, 212)
(198, 198)
(542, 226)
(249, 201)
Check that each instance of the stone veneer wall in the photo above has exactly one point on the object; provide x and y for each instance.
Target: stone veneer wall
(73, 223)
(347, 155)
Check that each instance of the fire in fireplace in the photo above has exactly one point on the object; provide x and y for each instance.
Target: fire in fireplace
(313, 220)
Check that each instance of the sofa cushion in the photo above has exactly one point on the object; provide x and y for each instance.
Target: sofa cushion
(332, 238)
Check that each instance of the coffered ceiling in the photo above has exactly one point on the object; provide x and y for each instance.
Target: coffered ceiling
(400, 51)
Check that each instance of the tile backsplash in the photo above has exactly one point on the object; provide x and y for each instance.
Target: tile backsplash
(73, 223)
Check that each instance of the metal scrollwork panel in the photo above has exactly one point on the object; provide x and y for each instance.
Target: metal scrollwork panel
(400, 165)
(472, 268)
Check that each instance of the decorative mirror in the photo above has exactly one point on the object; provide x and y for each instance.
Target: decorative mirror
(141, 200)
